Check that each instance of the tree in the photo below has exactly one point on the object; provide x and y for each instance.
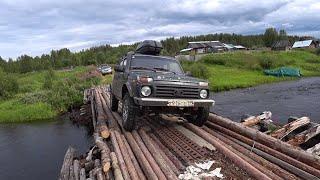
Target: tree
(270, 36)
(283, 35)
(100, 57)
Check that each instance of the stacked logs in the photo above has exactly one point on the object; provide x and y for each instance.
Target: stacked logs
(157, 151)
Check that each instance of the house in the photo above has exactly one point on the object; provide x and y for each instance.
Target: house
(201, 47)
(282, 45)
(306, 44)
(232, 47)
(239, 47)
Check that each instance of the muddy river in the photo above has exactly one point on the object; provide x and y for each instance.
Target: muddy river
(36, 150)
(285, 99)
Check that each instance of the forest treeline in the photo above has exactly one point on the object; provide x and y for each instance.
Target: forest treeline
(58, 59)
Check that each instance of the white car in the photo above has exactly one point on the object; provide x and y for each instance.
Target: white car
(106, 70)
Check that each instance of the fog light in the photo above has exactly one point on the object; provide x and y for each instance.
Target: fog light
(203, 93)
(145, 91)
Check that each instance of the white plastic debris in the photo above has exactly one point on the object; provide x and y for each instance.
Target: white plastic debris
(314, 150)
(200, 171)
(205, 165)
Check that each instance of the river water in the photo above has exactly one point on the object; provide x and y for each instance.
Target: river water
(285, 99)
(36, 150)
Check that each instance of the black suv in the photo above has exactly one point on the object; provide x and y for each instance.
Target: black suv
(146, 82)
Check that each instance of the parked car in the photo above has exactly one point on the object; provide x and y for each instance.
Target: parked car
(105, 69)
(148, 83)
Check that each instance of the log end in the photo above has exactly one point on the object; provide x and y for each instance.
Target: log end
(105, 134)
(106, 167)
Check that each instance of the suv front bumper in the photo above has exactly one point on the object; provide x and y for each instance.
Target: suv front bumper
(174, 102)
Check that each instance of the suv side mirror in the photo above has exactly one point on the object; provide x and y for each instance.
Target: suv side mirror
(188, 73)
(118, 68)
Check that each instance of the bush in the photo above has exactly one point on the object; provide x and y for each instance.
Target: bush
(34, 97)
(214, 59)
(8, 85)
(48, 79)
(200, 70)
(318, 51)
(266, 63)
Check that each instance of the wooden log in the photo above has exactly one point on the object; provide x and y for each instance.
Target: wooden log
(168, 153)
(272, 170)
(76, 169)
(98, 170)
(254, 120)
(104, 151)
(115, 166)
(145, 165)
(93, 111)
(267, 140)
(123, 167)
(113, 124)
(195, 138)
(101, 117)
(132, 171)
(163, 163)
(148, 155)
(133, 159)
(67, 162)
(227, 152)
(83, 174)
(266, 149)
(289, 167)
(283, 132)
(72, 176)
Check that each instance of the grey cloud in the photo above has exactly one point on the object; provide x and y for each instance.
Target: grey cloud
(35, 27)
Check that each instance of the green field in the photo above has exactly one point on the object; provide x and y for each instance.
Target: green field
(37, 101)
(227, 71)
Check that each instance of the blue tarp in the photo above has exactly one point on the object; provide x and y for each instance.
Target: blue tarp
(284, 71)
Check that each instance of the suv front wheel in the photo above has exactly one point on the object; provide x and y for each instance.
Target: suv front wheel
(128, 113)
(200, 117)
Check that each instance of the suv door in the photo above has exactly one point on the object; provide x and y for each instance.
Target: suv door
(118, 80)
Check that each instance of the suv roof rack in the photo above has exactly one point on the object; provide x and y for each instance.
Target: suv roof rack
(149, 47)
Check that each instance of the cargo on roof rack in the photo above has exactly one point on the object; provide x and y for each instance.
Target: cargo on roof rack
(149, 47)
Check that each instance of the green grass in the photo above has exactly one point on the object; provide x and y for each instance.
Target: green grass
(245, 69)
(15, 111)
(223, 78)
(34, 102)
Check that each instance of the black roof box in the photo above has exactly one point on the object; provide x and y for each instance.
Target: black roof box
(149, 47)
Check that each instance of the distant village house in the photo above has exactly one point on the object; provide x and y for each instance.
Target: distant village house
(306, 44)
(282, 45)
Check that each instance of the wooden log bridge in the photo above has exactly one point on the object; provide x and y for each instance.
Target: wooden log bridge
(161, 148)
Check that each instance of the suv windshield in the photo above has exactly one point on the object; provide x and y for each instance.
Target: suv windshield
(155, 63)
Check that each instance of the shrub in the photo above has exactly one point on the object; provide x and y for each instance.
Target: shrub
(200, 70)
(34, 97)
(266, 63)
(8, 85)
(214, 59)
(318, 51)
(48, 81)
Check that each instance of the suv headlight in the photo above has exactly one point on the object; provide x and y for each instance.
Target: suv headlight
(145, 91)
(203, 93)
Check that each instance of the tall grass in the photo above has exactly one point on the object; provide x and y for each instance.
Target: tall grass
(43, 95)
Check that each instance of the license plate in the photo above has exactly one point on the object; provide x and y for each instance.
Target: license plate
(180, 103)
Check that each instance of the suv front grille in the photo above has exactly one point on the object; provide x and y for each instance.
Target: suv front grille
(167, 91)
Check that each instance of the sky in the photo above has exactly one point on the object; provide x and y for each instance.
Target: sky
(35, 27)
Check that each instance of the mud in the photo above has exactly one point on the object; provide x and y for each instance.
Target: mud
(285, 99)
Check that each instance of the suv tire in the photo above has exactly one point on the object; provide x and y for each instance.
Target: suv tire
(128, 113)
(114, 102)
(201, 117)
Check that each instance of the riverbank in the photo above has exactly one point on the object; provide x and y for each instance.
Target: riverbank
(47, 94)
(226, 71)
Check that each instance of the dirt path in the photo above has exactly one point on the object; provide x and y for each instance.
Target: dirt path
(285, 99)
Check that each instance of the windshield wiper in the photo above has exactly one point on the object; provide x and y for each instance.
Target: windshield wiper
(163, 69)
(143, 68)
